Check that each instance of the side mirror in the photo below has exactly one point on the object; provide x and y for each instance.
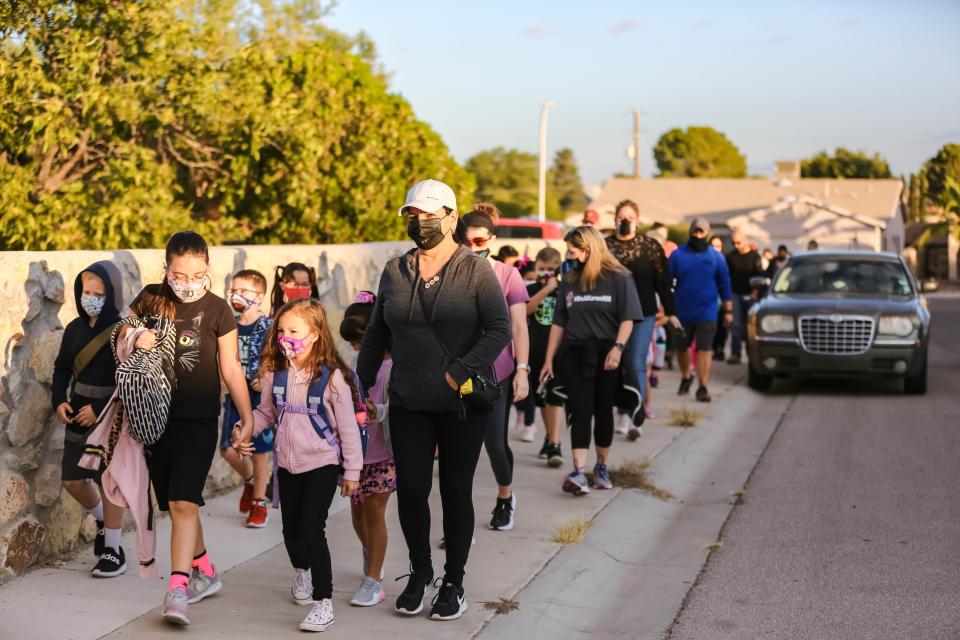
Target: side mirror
(929, 285)
(760, 284)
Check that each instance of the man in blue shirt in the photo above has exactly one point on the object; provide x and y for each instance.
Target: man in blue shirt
(701, 279)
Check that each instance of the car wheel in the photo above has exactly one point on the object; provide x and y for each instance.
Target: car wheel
(917, 385)
(758, 381)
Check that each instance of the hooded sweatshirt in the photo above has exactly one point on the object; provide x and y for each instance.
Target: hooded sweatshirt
(100, 372)
(467, 312)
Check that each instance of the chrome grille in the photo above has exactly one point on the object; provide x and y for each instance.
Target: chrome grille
(836, 335)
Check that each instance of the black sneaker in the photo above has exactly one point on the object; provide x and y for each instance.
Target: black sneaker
(112, 564)
(545, 449)
(703, 395)
(555, 456)
(685, 384)
(503, 513)
(419, 588)
(449, 603)
(100, 541)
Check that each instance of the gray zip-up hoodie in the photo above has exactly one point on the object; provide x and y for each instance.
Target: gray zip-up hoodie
(468, 313)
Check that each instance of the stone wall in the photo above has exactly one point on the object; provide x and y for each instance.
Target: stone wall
(38, 520)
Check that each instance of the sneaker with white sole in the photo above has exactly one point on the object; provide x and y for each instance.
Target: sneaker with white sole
(545, 449)
(449, 603)
(175, 607)
(529, 434)
(601, 477)
(419, 588)
(369, 594)
(320, 617)
(302, 589)
(576, 483)
(623, 424)
(112, 563)
(554, 456)
(202, 586)
(503, 513)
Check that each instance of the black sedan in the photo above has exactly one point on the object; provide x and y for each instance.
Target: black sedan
(839, 314)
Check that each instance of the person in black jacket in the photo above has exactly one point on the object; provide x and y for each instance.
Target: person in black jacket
(743, 263)
(441, 309)
(83, 381)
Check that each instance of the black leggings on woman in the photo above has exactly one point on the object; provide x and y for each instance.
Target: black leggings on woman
(304, 502)
(591, 393)
(496, 441)
(414, 435)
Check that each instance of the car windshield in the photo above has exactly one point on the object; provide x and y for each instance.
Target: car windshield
(843, 277)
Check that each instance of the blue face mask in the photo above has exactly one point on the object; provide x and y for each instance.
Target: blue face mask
(92, 305)
(572, 264)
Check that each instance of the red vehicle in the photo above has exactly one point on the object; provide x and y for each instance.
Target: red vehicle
(515, 228)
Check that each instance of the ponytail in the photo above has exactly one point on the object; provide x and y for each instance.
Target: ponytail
(276, 294)
(314, 291)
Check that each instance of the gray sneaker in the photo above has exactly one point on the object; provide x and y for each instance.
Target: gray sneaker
(370, 593)
(175, 607)
(201, 585)
(601, 477)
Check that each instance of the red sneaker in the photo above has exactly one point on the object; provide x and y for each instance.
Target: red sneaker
(246, 498)
(258, 514)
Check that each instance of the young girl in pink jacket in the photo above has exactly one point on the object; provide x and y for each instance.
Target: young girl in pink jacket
(310, 394)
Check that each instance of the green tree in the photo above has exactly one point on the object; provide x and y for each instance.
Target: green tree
(510, 178)
(698, 152)
(845, 164)
(565, 182)
(122, 122)
(948, 213)
(928, 186)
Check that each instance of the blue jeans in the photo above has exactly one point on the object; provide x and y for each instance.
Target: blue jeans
(638, 347)
(738, 332)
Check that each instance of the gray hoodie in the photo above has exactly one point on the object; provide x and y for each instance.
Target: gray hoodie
(466, 309)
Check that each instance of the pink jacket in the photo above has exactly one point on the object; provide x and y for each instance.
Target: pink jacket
(298, 446)
(126, 481)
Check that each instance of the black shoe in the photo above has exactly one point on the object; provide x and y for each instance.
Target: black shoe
(503, 513)
(449, 604)
(555, 456)
(685, 384)
(419, 588)
(703, 395)
(112, 563)
(545, 449)
(100, 541)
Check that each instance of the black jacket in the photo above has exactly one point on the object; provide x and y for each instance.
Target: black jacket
(100, 372)
(468, 312)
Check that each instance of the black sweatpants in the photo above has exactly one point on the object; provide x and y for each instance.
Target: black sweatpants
(496, 440)
(590, 398)
(304, 502)
(414, 436)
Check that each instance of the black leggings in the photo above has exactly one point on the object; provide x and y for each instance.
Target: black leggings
(304, 502)
(589, 399)
(498, 448)
(414, 435)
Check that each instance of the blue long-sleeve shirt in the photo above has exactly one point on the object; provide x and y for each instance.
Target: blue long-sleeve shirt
(701, 278)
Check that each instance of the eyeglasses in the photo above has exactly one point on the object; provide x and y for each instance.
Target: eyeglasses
(480, 241)
(180, 278)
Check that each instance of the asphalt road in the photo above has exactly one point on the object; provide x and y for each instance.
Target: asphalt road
(850, 524)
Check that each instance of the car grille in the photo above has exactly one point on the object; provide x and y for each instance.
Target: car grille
(836, 335)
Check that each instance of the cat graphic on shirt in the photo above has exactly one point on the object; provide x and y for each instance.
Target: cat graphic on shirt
(188, 342)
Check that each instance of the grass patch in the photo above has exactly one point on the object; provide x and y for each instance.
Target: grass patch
(713, 546)
(571, 532)
(685, 417)
(502, 606)
(632, 474)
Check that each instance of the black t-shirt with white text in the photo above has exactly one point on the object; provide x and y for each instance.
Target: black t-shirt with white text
(597, 314)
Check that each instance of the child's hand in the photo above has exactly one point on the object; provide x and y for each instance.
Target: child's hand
(85, 417)
(349, 487)
(256, 384)
(63, 413)
(241, 441)
(146, 340)
(371, 409)
(546, 374)
(552, 284)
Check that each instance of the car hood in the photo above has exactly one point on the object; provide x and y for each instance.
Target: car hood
(807, 304)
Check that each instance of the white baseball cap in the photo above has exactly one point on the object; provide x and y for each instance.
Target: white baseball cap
(429, 195)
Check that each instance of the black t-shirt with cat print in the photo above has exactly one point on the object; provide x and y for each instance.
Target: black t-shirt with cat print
(199, 324)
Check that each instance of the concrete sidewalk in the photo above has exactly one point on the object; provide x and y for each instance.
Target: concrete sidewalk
(64, 602)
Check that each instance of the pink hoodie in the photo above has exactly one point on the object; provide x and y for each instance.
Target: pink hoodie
(299, 447)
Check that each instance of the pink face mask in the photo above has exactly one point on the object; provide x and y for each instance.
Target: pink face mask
(291, 347)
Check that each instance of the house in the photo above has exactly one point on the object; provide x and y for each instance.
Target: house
(786, 209)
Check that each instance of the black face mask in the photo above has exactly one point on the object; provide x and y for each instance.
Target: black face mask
(572, 265)
(625, 228)
(698, 244)
(426, 233)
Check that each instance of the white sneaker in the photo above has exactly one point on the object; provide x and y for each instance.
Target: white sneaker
(623, 424)
(370, 593)
(529, 434)
(320, 617)
(302, 589)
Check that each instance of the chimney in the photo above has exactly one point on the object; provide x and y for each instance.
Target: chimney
(787, 170)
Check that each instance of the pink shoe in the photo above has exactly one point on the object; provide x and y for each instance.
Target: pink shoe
(647, 411)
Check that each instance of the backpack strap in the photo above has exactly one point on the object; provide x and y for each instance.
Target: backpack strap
(317, 412)
(91, 349)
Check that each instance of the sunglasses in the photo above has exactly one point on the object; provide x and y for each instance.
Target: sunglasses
(479, 242)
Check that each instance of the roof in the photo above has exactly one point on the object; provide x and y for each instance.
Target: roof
(677, 200)
(874, 256)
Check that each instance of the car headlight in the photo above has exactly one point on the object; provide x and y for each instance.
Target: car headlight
(898, 326)
(777, 323)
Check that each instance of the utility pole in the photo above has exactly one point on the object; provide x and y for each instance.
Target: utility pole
(636, 143)
(542, 195)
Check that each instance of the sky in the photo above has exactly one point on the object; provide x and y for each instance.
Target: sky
(781, 80)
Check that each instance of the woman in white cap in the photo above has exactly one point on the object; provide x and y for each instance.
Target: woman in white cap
(442, 314)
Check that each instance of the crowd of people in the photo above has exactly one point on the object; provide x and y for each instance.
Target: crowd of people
(454, 337)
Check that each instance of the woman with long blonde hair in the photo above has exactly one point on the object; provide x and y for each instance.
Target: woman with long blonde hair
(597, 305)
